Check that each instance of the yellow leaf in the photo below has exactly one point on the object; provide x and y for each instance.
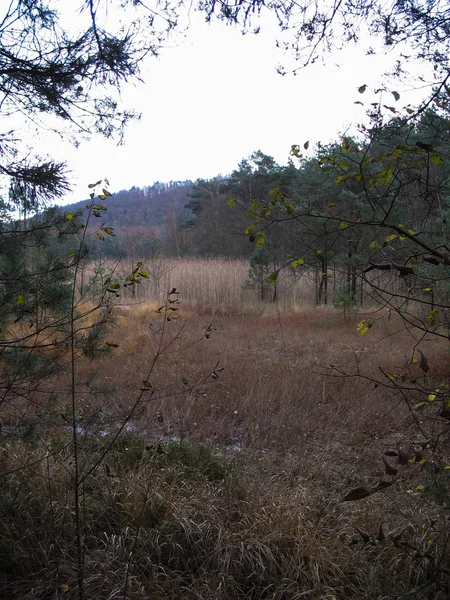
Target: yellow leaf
(391, 237)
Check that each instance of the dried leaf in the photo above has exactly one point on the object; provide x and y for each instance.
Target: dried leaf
(389, 469)
(381, 485)
(390, 453)
(423, 363)
(403, 457)
(433, 260)
(365, 536)
(357, 494)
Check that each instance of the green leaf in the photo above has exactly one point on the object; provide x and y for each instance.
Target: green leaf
(364, 326)
(249, 229)
(273, 277)
(297, 262)
(144, 274)
(374, 244)
(261, 239)
(392, 237)
(295, 151)
(106, 193)
(69, 217)
(255, 205)
(431, 316)
(231, 201)
(339, 179)
(343, 225)
(100, 236)
(93, 185)
(20, 300)
(108, 231)
(147, 384)
(436, 158)
(386, 175)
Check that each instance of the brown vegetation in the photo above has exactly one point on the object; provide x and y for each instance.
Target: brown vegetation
(229, 481)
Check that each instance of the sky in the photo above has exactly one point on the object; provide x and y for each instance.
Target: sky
(215, 97)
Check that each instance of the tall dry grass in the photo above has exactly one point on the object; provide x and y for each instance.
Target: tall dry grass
(213, 284)
(226, 486)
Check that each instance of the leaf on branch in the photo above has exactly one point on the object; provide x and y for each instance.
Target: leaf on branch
(431, 316)
(364, 326)
(93, 185)
(433, 260)
(436, 158)
(295, 151)
(386, 175)
(390, 238)
(273, 277)
(404, 269)
(297, 262)
(396, 96)
(423, 362)
(306, 145)
(362, 89)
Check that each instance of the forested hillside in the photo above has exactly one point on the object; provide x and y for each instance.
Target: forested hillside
(144, 220)
(352, 207)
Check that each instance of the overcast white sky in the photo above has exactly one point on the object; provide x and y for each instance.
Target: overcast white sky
(214, 99)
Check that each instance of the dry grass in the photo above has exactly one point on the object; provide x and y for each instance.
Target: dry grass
(216, 285)
(244, 502)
